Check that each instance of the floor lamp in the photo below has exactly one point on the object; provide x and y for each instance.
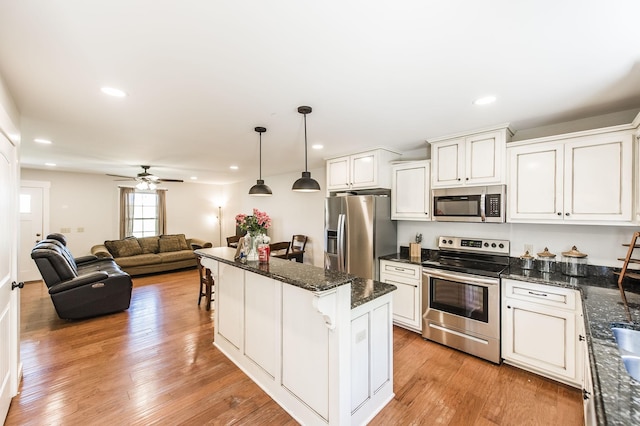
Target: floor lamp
(220, 226)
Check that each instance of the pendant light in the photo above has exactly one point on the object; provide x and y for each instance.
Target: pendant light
(306, 183)
(260, 189)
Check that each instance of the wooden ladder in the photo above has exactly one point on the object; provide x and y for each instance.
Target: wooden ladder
(624, 272)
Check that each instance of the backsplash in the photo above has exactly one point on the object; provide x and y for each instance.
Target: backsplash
(602, 244)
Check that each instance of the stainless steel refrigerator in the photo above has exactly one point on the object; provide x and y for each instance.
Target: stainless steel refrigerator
(358, 229)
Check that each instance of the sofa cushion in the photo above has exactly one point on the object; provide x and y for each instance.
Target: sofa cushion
(123, 248)
(175, 242)
(175, 256)
(149, 244)
(140, 259)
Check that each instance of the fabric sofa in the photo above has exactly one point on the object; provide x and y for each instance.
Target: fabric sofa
(149, 255)
(80, 287)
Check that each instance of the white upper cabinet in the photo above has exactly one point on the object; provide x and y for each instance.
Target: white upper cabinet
(470, 160)
(364, 170)
(410, 193)
(583, 179)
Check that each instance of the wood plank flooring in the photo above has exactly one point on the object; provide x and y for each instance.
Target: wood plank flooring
(155, 365)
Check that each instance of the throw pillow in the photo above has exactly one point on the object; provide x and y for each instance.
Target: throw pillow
(149, 244)
(174, 242)
(123, 248)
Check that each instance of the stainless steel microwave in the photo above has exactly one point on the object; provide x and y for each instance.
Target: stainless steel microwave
(470, 204)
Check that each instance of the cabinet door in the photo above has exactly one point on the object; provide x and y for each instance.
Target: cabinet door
(448, 161)
(364, 170)
(540, 338)
(484, 159)
(406, 299)
(230, 304)
(535, 182)
(598, 178)
(410, 194)
(338, 173)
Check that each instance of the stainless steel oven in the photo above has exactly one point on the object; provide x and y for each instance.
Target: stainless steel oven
(461, 295)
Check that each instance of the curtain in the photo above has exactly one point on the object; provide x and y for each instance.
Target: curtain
(126, 211)
(162, 211)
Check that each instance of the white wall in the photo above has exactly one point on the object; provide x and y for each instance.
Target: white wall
(603, 244)
(291, 212)
(87, 204)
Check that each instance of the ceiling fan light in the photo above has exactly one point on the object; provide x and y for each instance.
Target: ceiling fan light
(306, 184)
(142, 186)
(260, 189)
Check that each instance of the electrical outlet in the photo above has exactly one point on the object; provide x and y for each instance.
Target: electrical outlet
(529, 248)
(65, 230)
(81, 229)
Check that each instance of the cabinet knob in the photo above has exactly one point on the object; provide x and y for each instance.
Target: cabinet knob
(567, 214)
(581, 338)
(509, 307)
(559, 214)
(458, 179)
(466, 179)
(586, 394)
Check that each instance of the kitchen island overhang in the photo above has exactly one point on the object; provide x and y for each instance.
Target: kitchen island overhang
(320, 343)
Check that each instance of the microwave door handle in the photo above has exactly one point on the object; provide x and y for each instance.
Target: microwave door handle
(483, 197)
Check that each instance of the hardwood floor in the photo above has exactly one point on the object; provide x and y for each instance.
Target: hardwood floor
(155, 364)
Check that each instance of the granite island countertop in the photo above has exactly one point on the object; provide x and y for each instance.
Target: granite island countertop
(305, 276)
(617, 395)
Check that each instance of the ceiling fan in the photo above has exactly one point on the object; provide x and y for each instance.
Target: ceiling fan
(145, 179)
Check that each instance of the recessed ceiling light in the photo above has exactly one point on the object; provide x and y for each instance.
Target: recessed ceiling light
(485, 100)
(233, 167)
(317, 146)
(194, 177)
(112, 91)
(50, 164)
(43, 141)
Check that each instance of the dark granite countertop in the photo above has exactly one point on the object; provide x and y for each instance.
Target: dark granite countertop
(305, 276)
(617, 394)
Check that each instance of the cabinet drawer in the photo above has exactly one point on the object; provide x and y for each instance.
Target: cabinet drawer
(400, 269)
(563, 298)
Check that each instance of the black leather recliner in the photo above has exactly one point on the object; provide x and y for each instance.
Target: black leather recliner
(81, 287)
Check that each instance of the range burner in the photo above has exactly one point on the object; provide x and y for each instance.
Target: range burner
(472, 256)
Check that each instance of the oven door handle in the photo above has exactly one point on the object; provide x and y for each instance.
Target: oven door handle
(470, 279)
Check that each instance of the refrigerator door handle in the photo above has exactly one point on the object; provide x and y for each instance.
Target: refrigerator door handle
(341, 243)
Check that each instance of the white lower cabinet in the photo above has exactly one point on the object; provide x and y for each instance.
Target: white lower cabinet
(406, 299)
(588, 399)
(539, 332)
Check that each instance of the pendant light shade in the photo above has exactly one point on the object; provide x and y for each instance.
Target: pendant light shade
(260, 189)
(306, 183)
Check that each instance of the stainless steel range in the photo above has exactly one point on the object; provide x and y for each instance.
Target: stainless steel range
(461, 295)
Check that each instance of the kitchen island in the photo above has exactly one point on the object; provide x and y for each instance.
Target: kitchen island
(320, 343)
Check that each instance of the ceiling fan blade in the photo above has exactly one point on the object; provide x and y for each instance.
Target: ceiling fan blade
(170, 180)
(120, 176)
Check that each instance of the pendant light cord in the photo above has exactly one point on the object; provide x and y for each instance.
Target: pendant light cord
(305, 142)
(260, 157)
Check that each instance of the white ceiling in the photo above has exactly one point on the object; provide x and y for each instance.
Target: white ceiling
(200, 75)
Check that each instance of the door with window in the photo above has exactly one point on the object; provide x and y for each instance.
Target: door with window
(34, 224)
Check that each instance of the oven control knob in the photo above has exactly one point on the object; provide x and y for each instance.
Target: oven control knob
(444, 241)
(450, 242)
(493, 245)
(501, 245)
(486, 244)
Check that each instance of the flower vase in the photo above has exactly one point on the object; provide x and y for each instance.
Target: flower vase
(251, 242)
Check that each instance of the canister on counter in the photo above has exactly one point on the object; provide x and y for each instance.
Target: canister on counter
(546, 261)
(526, 261)
(574, 263)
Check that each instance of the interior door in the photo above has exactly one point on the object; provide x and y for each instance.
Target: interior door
(32, 228)
(8, 308)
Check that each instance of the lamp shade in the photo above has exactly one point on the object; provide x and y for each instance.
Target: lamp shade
(260, 189)
(306, 183)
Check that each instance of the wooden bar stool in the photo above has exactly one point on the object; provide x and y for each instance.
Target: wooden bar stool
(206, 284)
